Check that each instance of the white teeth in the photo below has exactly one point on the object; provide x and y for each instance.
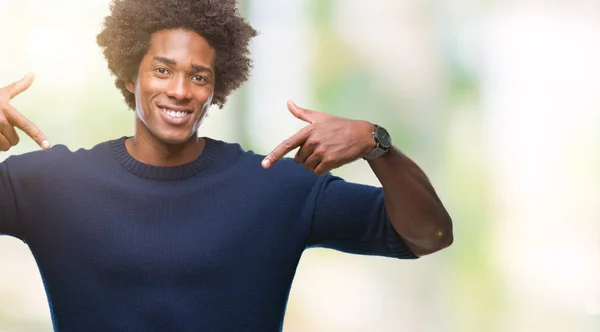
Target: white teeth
(175, 114)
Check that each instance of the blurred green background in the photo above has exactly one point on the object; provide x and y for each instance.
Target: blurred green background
(498, 101)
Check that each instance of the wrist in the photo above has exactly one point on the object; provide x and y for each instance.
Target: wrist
(371, 143)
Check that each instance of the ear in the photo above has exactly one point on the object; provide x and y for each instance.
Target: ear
(130, 85)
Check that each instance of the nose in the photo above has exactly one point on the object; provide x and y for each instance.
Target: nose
(178, 88)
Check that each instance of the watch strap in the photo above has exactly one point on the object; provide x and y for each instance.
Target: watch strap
(376, 153)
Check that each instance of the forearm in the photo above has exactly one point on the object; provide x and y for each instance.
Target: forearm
(412, 205)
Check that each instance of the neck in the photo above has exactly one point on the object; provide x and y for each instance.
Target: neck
(152, 151)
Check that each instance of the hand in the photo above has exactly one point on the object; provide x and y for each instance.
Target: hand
(328, 141)
(10, 117)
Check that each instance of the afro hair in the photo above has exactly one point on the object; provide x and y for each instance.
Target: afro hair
(128, 28)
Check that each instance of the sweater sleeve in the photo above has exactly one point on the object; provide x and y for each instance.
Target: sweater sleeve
(351, 218)
(9, 224)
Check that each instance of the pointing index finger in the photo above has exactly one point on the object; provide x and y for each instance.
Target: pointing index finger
(20, 121)
(285, 147)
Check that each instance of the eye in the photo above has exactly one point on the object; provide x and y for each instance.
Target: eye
(199, 78)
(161, 70)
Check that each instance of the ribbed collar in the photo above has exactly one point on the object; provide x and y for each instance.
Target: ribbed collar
(211, 148)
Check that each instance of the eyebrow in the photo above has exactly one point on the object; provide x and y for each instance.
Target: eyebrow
(195, 67)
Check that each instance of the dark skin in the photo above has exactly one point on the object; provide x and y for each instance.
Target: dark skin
(177, 74)
(10, 118)
(173, 91)
(412, 205)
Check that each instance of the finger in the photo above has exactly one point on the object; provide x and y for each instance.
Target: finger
(285, 147)
(311, 162)
(7, 130)
(18, 120)
(10, 134)
(4, 144)
(301, 113)
(322, 169)
(19, 86)
(305, 151)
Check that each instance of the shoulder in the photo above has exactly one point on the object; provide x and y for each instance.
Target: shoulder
(56, 154)
(234, 157)
(59, 158)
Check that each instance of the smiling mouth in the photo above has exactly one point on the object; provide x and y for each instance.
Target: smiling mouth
(175, 114)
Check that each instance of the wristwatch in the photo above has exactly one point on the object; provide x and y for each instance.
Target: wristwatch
(383, 140)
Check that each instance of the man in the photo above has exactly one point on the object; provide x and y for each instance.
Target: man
(168, 231)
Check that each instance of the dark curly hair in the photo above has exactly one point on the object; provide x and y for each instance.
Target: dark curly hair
(125, 38)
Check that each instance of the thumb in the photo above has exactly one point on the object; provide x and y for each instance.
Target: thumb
(299, 112)
(20, 85)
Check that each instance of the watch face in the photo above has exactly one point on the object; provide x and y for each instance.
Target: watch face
(383, 137)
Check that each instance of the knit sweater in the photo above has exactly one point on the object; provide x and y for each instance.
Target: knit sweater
(211, 245)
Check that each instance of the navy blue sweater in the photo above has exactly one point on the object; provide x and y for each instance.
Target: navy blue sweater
(212, 245)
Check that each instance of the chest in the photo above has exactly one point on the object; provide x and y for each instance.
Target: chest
(167, 237)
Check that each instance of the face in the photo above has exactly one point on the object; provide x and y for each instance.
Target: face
(174, 86)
